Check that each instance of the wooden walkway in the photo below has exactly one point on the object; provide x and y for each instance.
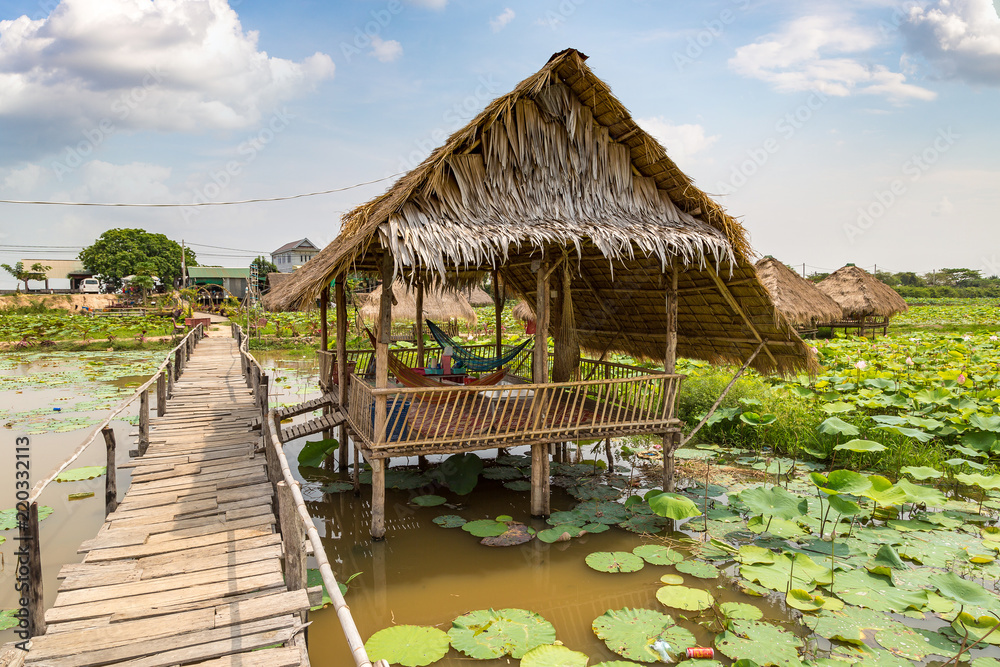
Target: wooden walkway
(187, 570)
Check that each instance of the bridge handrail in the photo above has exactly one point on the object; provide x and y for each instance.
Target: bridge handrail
(41, 484)
(347, 624)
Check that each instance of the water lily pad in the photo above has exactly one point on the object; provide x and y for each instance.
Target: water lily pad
(761, 642)
(314, 578)
(429, 501)
(774, 501)
(459, 472)
(606, 512)
(920, 472)
(962, 591)
(518, 485)
(571, 517)
(337, 487)
(554, 656)
(81, 495)
(614, 561)
(672, 579)
(631, 633)
(487, 634)
(684, 597)
(858, 445)
(449, 521)
(516, 534)
(408, 645)
(316, 451)
(485, 528)
(673, 506)
(643, 524)
(594, 491)
(697, 568)
(656, 554)
(8, 518)
(915, 643)
(740, 611)
(624, 663)
(78, 474)
(561, 533)
(502, 473)
(8, 620)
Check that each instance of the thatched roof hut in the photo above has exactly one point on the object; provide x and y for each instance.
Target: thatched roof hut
(860, 294)
(439, 305)
(477, 296)
(558, 171)
(799, 300)
(523, 312)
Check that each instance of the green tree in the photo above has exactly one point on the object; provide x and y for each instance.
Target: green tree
(36, 272)
(119, 253)
(960, 277)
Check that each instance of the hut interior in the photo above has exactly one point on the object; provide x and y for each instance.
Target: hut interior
(867, 303)
(799, 300)
(446, 306)
(556, 191)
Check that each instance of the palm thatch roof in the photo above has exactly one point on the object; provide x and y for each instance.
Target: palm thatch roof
(523, 312)
(859, 293)
(440, 305)
(798, 299)
(558, 169)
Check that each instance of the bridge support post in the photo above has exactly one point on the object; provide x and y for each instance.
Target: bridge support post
(170, 379)
(178, 364)
(110, 483)
(161, 393)
(30, 540)
(378, 499)
(143, 422)
(293, 539)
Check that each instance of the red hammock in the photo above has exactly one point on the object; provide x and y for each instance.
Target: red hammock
(410, 378)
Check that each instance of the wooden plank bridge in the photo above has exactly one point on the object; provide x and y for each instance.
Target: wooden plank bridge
(188, 569)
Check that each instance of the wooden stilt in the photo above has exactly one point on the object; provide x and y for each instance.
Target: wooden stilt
(324, 300)
(668, 461)
(170, 380)
(110, 485)
(381, 382)
(670, 355)
(378, 499)
(356, 472)
(340, 299)
(30, 541)
(419, 332)
(143, 422)
(161, 393)
(498, 301)
(540, 372)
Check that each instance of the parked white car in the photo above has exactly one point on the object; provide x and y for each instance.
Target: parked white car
(90, 286)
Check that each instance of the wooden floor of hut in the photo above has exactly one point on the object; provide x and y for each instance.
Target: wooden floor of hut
(187, 570)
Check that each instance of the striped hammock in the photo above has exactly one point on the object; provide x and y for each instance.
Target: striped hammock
(469, 360)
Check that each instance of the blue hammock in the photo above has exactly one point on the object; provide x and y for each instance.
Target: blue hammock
(469, 360)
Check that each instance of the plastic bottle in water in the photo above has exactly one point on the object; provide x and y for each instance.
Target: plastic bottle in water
(663, 649)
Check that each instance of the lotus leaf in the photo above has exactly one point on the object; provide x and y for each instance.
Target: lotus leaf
(985, 662)
(837, 426)
(673, 506)
(502, 473)
(843, 506)
(550, 655)
(886, 559)
(597, 511)
(774, 501)
(696, 568)
(594, 491)
(672, 579)
(409, 645)
(836, 408)
(314, 578)
(76, 496)
(914, 644)
(982, 481)
(803, 600)
(562, 533)
(485, 528)
(761, 642)
(449, 521)
(683, 597)
(806, 574)
(594, 528)
(750, 554)
(459, 472)
(740, 611)
(970, 452)
(614, 561)
(958, 463)
(864, 589)
(571, 517)
(516, 534)
(841, 481)
(428, 501)
(631, 633)
(518, 485)
(487, 634)
(857, 445)
(8, 620)
(924, 495)
(755, 419)
(8, 518)
(980, 441)
(883, 491)
(316, 451)
(618, 663)
(962, 591)
(336, 487)
(79, 474)
(920, 472)
(656, 554)
(780, 527)
(977, 628)
(984, 423)
(643, 524)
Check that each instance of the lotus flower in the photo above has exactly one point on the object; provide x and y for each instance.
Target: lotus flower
(966, 337)
(993, 337)
(909, 361)
(861, 365)
(960, 379)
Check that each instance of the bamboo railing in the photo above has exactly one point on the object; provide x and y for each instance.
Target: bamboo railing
(296, 524)
(461, 418)
(27, 502)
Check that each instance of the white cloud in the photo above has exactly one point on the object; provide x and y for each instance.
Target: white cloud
(174, 65)
(24, 179)
(818, 53)
(429, 4)
(135, 182)
(386, 50)
(943, 208)
(501, 20)
(681, 141)
(961, 38)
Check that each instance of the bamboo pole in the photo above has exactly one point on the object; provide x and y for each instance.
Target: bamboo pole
(324, 299)
(670, 356)
(419, 333)
(725, 391)
(540, 375)
(381, 382)
(498, 309)
(731, 300)
(110, 482)
(30, 542)
(340, 298)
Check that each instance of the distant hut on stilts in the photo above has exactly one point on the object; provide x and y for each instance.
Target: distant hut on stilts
(799, 300)
(867, 302)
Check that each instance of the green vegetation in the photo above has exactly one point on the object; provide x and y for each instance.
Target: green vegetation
(52, 326)
(21, 274)
(124, 252)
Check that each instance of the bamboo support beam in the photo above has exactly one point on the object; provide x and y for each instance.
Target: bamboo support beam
(540, 375)
(110, 482)
(340, 298)
(30, 539)
(718, 401)
(731, 300)
(497, 310)
(381, 406)
(670, 356)
(419, 324)
(324, 336)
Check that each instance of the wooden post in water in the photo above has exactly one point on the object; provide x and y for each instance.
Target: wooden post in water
(340, 298)
(161, 393)
(178, 363)
(670, 365)
(293, 538)
(110, 485)
(540, 375)
(143, 421)
(30, 540)
(381, 382)
(170, 379)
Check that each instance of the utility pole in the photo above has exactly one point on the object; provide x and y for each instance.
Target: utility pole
(183, 266)
(803, 269)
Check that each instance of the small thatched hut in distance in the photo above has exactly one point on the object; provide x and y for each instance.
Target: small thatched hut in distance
(477, 297)
(523, 312)
(799, 300)
(439, 305)
(867, 302)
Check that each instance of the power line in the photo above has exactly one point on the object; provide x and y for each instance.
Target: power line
(219, 247)
(205, 203)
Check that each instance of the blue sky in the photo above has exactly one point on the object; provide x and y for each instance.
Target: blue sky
(837, 132)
